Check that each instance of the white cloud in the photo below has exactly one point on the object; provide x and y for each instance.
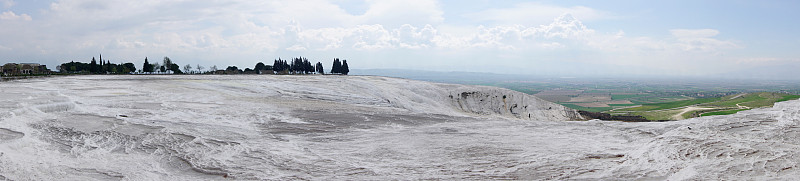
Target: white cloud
(394, 13)
(375, 37)
(121, 43)
(297, 48)
(551, 45)
(9, 15)
(7, 3)
(310, 13)
(415, 38)
(531, 13)
(565, 26)
(700, 40)
(765, 60)
(698, 33)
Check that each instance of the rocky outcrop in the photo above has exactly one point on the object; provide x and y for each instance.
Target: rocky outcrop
(504, 102)
(447, 99)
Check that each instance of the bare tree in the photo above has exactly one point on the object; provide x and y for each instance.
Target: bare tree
(187, 68)
(200, 68)
(213, 68)
(157, 67)
(167, 62)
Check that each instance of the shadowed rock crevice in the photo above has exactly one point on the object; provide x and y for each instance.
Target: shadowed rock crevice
(8, 135)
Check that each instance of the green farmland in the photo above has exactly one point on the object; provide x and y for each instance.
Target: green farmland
(684, 109)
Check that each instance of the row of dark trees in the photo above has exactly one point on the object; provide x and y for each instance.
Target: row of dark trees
(104, 67)
(298, 65)
(303, 66)
(167, 65)
(340, 67)
(280, 66)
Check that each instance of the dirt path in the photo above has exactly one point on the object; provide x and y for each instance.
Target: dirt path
(612, 110)
(737, 96)
(742, 107)
(688, 109)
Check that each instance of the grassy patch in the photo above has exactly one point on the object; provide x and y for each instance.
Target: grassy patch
(670, 105)
(689, 114)
(627, 96)
(788, 97)
(590, 109)
(658, 115)
(692, 114)
(727, 102)
(657, 99)
(622, 105)
(723, 112)
(761, 99)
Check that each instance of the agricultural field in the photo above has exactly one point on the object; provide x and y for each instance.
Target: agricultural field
(658, 100)
(685, 109)
(592, 109)
(558, 95)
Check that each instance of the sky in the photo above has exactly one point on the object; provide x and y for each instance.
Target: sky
(580, 37)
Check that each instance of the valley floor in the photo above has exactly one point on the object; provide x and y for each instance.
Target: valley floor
(205, 127)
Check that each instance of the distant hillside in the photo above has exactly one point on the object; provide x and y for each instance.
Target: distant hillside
(444, 77)
(776, 72)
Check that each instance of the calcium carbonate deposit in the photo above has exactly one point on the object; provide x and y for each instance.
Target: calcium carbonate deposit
(260, 127)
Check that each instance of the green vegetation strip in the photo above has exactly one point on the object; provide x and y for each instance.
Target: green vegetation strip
(626, 96)
(723, 112)
(762, 99)
(590, 109)
(613, 105)
(658, 115)
(788, 97)
(670, 105)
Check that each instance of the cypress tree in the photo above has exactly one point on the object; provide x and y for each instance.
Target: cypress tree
(320, 69)
(275, 66)
(307, 68)
(336, 68)
(93, 66)
(147, 67)
(345, 68)
(285, 65)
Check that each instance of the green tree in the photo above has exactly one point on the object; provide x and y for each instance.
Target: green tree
(232, 68)
(259, 67)
(175, 68)
(129, 67)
